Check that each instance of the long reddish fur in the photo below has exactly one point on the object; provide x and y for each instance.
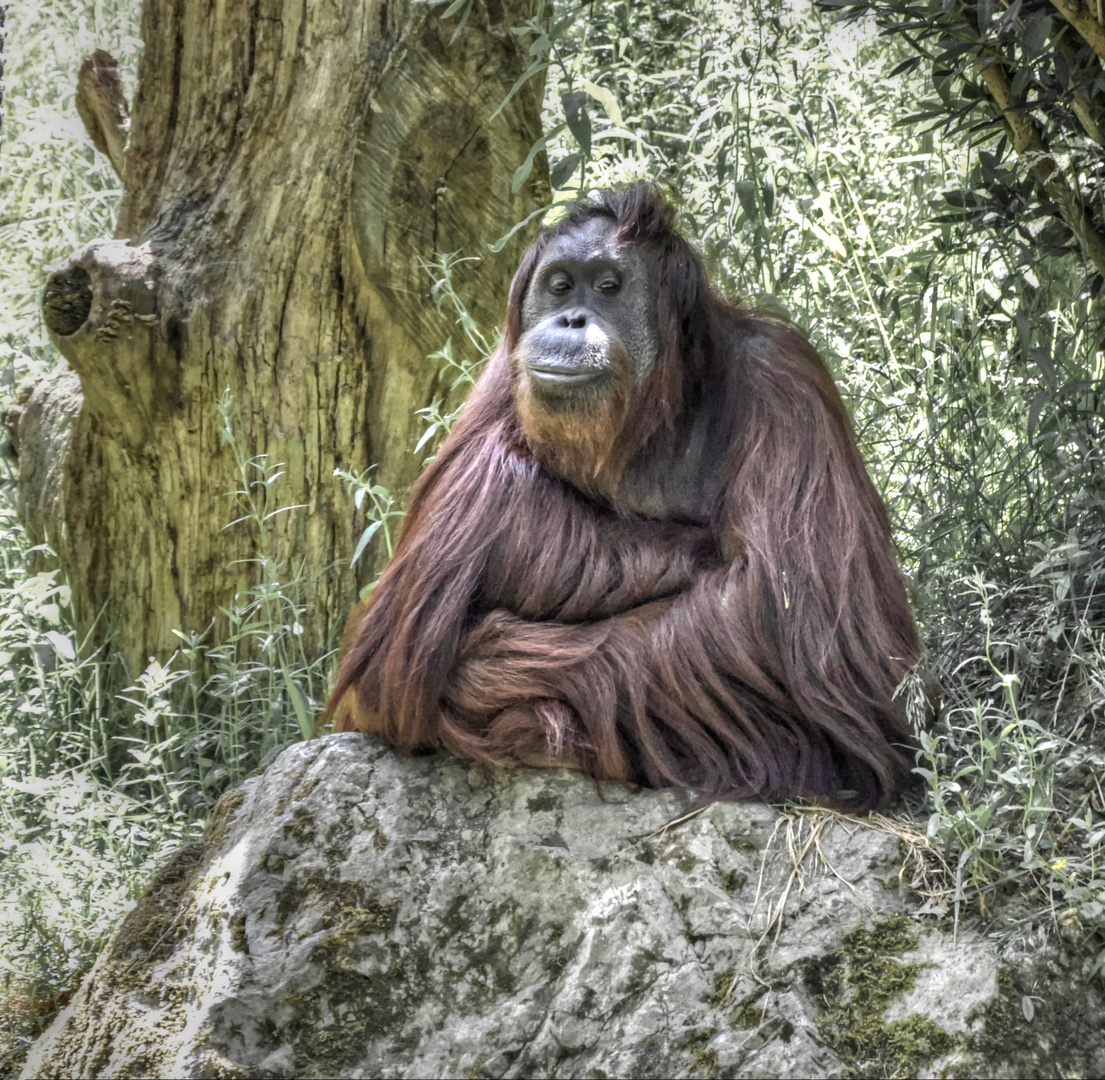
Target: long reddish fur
(527, 615)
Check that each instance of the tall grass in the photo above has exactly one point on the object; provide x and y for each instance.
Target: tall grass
(98, 784)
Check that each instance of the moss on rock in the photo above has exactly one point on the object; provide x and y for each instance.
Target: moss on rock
(856, 984)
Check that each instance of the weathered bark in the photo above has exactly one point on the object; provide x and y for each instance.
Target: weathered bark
(102, 106)
(289, 167)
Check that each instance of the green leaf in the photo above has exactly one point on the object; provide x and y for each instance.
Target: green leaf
(767, 187)
(606, 99)
(534, 69)
(299, 703)
(463, 20)
(579, 123)
(63, 644)
(746, 193)
(830, 241)
(506, 237)
(1036, 32)
(427, 435)
(521, 174)
(562, 171)
(366, 536)
(1034, 409)
(619, 133)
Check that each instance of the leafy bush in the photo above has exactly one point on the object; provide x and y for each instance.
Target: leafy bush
(1026, 78)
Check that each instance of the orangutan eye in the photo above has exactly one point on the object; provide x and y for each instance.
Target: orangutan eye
(608, 284)
(560, 283)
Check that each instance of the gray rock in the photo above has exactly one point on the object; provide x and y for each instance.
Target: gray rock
(355, 913)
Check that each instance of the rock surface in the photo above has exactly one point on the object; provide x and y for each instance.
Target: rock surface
(355, 913)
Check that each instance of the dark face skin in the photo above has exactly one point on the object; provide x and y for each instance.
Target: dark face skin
(589, 299)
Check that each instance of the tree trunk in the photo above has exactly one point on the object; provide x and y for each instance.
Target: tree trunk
(289, 169)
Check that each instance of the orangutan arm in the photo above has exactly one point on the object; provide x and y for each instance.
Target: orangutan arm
(683, 691)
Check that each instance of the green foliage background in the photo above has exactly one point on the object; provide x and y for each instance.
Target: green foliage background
(974, 372)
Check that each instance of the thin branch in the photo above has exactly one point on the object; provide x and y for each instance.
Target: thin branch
(1084, 21)
(1029, 143)
(1079, 103)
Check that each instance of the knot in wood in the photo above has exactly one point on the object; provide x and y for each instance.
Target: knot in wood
(67, 300)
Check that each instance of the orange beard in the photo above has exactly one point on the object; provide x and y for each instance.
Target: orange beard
(580, 441)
